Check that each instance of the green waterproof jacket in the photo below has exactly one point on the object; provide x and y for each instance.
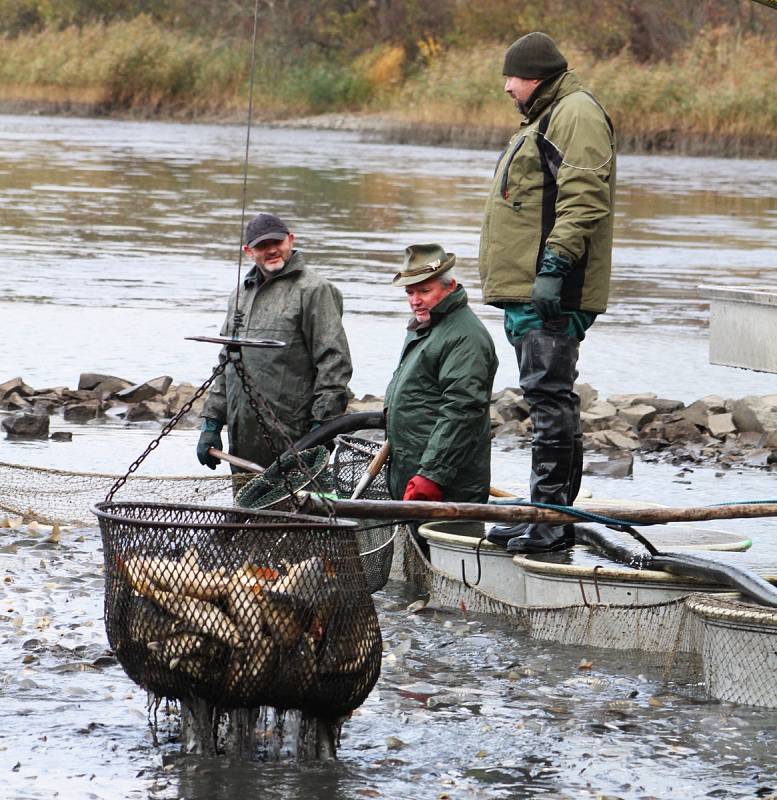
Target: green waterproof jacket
(304, 382)
(437, 404)
(554, 185)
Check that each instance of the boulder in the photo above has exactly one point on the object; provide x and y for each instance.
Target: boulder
(14, 402)
(697, 413)
(82, 412)
(715, 404)
(142, 412)
(621, 441)
(587, 393)
(511, 406)
(638, 415)
(681, 430)
(61, 436)
(721, 424)
(144, 391)
(664, 406)
(177, 396)
(746, 416)
(515, 427)
(91, 380)
(624, 400)
(16, 385)
(27, 426)
(616, 467)
(111, 387)
(751, 439)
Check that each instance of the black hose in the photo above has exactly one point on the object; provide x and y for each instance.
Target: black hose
(361, 420)
(693, 566)
(685, 565)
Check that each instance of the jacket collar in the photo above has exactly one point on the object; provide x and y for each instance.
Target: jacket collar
(293, 267)
(549, 91)
(450, 303)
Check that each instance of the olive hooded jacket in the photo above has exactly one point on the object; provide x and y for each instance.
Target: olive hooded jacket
(554, 185)
(437, 404)
(302, 383)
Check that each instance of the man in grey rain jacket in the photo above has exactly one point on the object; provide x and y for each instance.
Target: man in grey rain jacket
(304, 383)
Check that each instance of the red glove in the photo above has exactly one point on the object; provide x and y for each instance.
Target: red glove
(420, 488)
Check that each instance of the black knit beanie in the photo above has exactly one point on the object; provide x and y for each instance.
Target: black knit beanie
(534, 56)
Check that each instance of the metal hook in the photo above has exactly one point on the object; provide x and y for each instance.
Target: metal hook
(464, 568)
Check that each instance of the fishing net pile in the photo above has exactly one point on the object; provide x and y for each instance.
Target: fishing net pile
(240, 608)
(706, 644)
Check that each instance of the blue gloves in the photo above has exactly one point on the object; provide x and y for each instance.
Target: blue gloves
(210, 437)
(546, 291)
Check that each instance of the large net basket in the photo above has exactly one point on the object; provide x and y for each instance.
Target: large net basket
(238, 607)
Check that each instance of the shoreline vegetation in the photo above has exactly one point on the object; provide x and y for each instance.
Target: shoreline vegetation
(710, 95)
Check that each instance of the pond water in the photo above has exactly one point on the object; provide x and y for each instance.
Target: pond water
(117, 239)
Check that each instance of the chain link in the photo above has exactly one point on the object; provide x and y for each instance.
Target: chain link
(185, 409)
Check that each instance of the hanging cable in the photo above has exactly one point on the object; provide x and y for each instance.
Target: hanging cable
(237, 320)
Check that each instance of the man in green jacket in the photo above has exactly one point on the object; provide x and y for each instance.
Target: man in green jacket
(545, 256)
(437, 403)
(305, 382)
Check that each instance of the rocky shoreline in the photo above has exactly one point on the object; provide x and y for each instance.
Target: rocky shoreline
(716, 431)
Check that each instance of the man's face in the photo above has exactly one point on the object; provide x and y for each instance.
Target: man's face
(423, 297)
(271, 255)
(520, 89)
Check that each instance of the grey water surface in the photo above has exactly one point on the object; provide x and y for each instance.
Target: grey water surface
(117, 239)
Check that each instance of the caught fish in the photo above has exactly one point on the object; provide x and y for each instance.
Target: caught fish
(184, 576)
(252, 668)
(198, 615)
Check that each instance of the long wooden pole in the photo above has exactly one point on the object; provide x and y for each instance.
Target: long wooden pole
(422, 510)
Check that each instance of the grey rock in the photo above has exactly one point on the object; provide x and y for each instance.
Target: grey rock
(715, 404)
(27, 426)
(638, 415)
(621, 441)
(697, 413)
(744, 415)
(82, 412)
(751, 439)
(141, 412)
(760, 457)
(496, 396)
(15, 385)
(91, 380)
(664, 406)
(624, 400)
(14, 402)
(515, 427)
(367, 403)
(588, 395)
(144, 391)
(617, 467)
(721, 424)
(61, 436)
(511, 406)
(682, 430)
(177, 396)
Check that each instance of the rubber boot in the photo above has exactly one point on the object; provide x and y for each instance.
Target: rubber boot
(547, 360)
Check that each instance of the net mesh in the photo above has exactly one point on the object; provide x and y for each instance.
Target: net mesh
(703, 644)
(239, 608)
(67, 497)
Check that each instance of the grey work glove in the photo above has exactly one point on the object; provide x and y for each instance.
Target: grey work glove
(210, 437)
(546, 291)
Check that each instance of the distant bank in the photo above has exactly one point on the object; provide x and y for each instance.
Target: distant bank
(716, 97)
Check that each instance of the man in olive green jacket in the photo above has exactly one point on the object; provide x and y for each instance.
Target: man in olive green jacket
(437, 403)
(305, 382)
(545, 255)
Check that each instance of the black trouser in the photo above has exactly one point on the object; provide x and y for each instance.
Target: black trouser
(547, 362)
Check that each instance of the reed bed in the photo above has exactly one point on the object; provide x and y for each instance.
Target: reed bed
(716, 96)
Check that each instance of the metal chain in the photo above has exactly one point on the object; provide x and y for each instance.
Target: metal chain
(185, 408)
(266, 412)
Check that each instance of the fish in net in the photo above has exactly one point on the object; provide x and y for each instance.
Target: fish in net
(239, 608)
